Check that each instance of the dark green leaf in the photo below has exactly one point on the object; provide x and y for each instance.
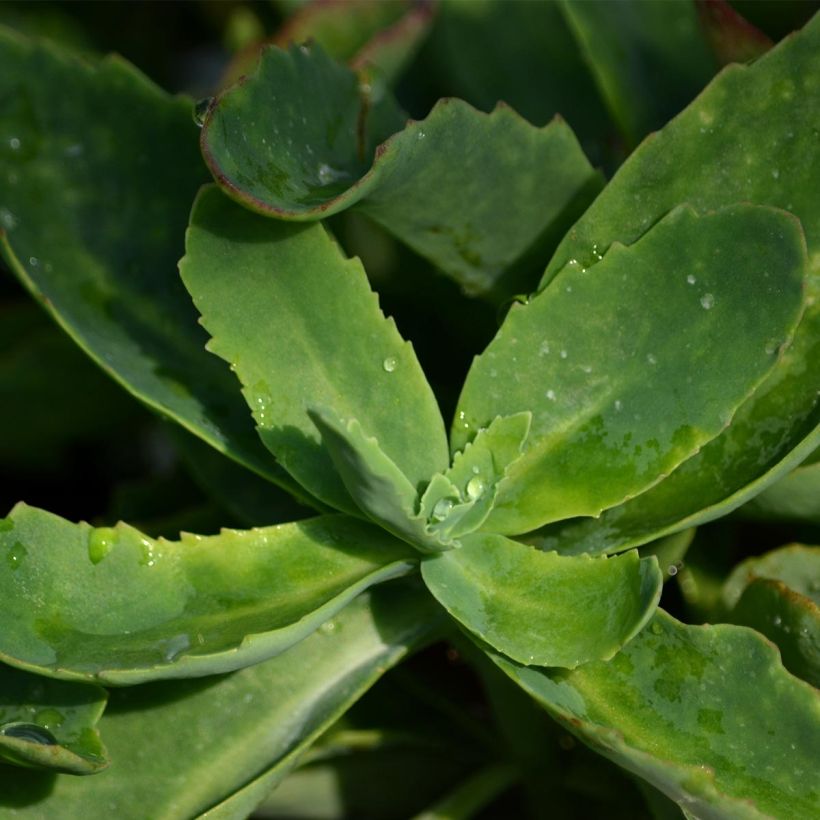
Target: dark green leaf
(655, 370)
(92, 220)
(48, 724)
(112, 605)
(795, 497)
(443, 185)
(706, 714)
(301, 327)
(648, 59)
(541, 608)
(180, 747)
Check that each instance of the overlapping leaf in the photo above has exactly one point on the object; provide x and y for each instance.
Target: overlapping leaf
(795, 497)
(778, 594)
(303, 330)
(112, 605)
(48, 724)
(180, 747)
(92, 219)
(298, 140)
(540, 608)
(631, 367)
(751, 136)
(706, 714)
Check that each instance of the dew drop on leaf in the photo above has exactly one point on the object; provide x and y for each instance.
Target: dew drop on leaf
(442, 509)
(390, 364)
(475, 487)
(17, 552)
(30, 732)
(100, 542)
(201, 109)
(707, 301)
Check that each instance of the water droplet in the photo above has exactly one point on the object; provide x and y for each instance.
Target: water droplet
(568, 288)
(328, 628)
(30, 732)
(8, 220)
(707, 301)
(475, 487)
(442, 509)
(421, 135)
(49, 718)
(691, 279)
(33, 261)
(656, 628)
(14, 143)
(175, 646)
(16, 554)
(201, 110)
(544, 349)
(672, 570)
(775, 173)
(650, 357)
(564, 354)
(777, 620)
(328, 174)
(100, 542)
(618, 405)
(550, 394)
(147, 559)
(390, 364)
(771, 346)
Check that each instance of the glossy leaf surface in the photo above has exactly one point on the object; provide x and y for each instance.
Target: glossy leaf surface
(541, 608)
(92, 219)
(305, 329)
(650, 85)
(47, 724)
(180, 747)
(624, 397)
(112, 605)
(706, 714)
(442, 185)
(778, 594)
(749, 137)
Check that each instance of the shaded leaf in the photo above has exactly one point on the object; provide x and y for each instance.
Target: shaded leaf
(443, 185)
(749, 137)
(47, 724)
(541, 608)
(706, 714)
(473, 794)
(304, 329)
(732, 37)
(624, 397)
(795, 497)
(648, 59)
(112, 605)
(108, 274)
(180, 747)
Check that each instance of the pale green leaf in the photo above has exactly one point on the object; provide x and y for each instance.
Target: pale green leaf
(795, 497)
(706, 714)
(541, 608)
(630, 367)
(110, 604)
(301, 327)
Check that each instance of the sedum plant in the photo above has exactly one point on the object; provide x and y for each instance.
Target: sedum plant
(660, 372)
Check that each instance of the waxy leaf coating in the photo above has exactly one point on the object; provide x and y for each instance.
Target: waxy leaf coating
(301, 327)
(49, 724)
(632, 366)
(706, 714)
(540, 608)
(110, 604)
(297, 140)
(180, 747)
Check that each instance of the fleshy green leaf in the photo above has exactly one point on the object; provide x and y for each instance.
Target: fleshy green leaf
(654, 371)
(778, 594)
(374, 481)
(795, 497)
(648, 59)
(732, 37)
(541, 608)
(112, 605)
(706, 714)
(180, 747)
(47, 724)
(92, 220)
(301, 327)
(749, 137)
(298, 140)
